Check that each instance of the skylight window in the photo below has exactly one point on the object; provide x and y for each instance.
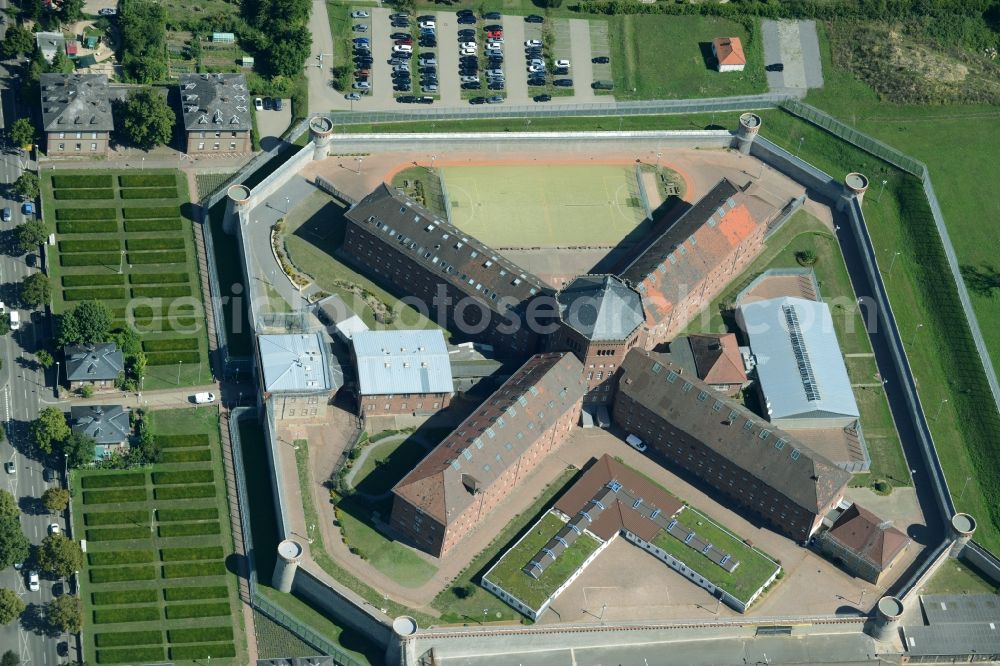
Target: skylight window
(748, 425)
(795, 454)
(687, 387)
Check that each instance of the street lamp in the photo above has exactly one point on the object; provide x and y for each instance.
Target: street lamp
(288, 204)
(964, 486)
(881, 190)
(359, 158)
(801, 139)
(915, 331)
(121, 263)
(179, 363)
(891, 264)
(658, 156)
(940, 407)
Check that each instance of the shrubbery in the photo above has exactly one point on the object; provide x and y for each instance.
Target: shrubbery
(80, 195)
(202, 651)
(182, 492)
(194, 569)
(148, 212)
(186, 455)
(155, 243)
(192, 476)
(134, 655)
(162, 291)
(194, 593)
(153, 225)
(200, 635)
(118, 533)
(87, 227)
(124, 597)
(85, 214)
(150, 193)
(120, 638)
(157, 278)
(94, 245)
(89, 180)
(186, 554)
(177, 515)
(117, 557)
(167, 257)
(119, 574)
(173, 441)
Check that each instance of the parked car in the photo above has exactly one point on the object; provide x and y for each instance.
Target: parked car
(353, 97)
(15, 320)
(361, 85)
(635, 443)
(359, 13)
(496, 99)
(48, 475)
(107, 11)
(432, 88)
(492, 16)
(28, 208)
(564, 64)
(398, 16)
(33, 581)
(7, 217)
(534, 18)
(406, 99)
(54, 528)
(493, 28)
(472, 85)
(258, 104)
(477, 100)
(360, 27)
(204, 398)
(532, 43)
(466, 20)
(543, 98)
(602, 85)
(428, 24)
(563, 83)
(278, 104)
(425, 100)
(9, 467)
(601, 60)
(775, 67)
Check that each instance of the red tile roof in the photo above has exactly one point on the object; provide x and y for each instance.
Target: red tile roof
(729, 51)
(874, 540)
(717, 358)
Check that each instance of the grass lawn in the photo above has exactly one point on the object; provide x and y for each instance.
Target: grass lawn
(654, 56)
(138, 256)
(387, 462)
(957, 577)
(533, 592)
(193, 592)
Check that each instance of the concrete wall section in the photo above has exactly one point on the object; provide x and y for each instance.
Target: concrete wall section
(349, 613)
(983, 560)
(281, 175)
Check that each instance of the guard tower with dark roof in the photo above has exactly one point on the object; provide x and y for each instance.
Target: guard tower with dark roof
(76, 114)
(216, 112)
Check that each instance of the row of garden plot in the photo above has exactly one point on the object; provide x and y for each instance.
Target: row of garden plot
(114, 259)
(154, 654)
(107, 180)
(125, 573)
(150, 595)
(105, 220)
(103, 194)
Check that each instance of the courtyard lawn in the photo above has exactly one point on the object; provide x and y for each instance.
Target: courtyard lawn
(175, 599)
(126, 239)
(957, 577)
(388, 461)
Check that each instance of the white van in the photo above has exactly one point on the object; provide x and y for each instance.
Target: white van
(635, 443)
(15, 320)
(204, 398)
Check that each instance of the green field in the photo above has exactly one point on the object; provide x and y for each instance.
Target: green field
(177, 601)
(545, 206)
(135, 254)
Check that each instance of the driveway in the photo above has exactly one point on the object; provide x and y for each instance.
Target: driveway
(582, 69)
(381, 96)
(322, 96)
(272, 124)
(515, 63)
(447, 57)
(794, 45)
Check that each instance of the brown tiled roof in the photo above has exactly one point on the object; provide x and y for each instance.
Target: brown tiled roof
(447, 251)
(729, 51)
(862, 532)
(771, 455)
(717, 358)
(492, 439)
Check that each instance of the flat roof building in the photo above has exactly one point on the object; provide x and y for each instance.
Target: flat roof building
(76, 114)
(960, 628)
(295, 371)
(402, 372)
(216, 113)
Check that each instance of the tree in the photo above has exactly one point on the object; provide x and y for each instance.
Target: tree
(14, 546)
(64, 613)
(71, 11)
(49, 427)
(36, 291)
(288, 52)
(11, 606)
(8, 505)
(982, 280)
(4, 323)
(10, 658)
(149, 120)
(55, 499)
(61, 64)
(44, 359)
(59, 556)
(79, 449)
(30, 235)
(88, 322)
(26, 185)
(17, 41)
(22, 132)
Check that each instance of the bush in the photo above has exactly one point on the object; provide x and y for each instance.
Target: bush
(157, 278)
(114, 496)
(168, 257)
(113, 557)
(118, 533)
(86, 214)
(95, 245)
(124, 597)
(80, 195)
(172, 358)
(200, 635)
(187, 455)
(113, 480)
(202, 651)
(132, 655)
(120, 574)
(103, 518)
(168, 291)
(87, 227)
(187, 554)
(148, 180)
(104, 259)
(188, 529)
(183, 492)
(181, 611)
(150, 193)
(148, 212)
(194, 569)
(89, 180)
(806, 257)
(92, 280)
(173, 243)
(193, 593)
(119, 638)
(98, 294)
(173, 441)
(190, 476)
(172, 344)
(132, 226)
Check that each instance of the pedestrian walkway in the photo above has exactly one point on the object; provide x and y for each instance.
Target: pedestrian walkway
(160, 399)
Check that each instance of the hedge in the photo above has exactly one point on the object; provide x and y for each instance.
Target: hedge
(86, 213)
(192, 593)
(153, 225)
(112, 557)
(135, 614)
(124, 597)
(187, 455)
(192, 476)
(87, 227)
(88, 180)
(185, 554)
(148, 311)
(181, 611)
(167, 257)
(189, 529)
(173, 243)
(120, 638)
(113, 480)
(194, 569)
(148, 212)
(118, 533)
(96, 294)
(119, 574)
(82, 195)
(200, 635)
(168, 291)
(171, 358)
(150, 193)
(171, 344)
(103, 518)
(93, 245)
(148, 180)
(183, 492)
(114, 496)
(102, 259)
(133, 655)
(172, 441)
(92, 280)
(201, 651)
(158, 278)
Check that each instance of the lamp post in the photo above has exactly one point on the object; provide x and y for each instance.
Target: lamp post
(964, 486)
(801, 139)
(658, 156)
(359, 158)
(891, 264)
(288, 204)
(179, 363)
(940, 407)
(433, 159)
(881, 190)
(915, 331)
(121, 263)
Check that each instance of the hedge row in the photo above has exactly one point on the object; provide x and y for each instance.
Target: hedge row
(88, 180)
(153, 225)
(86, 214)
(181, 611)
(162, 291)
(113, 480)
(114, 496)
(150, 193)
(189, 529)
(92, 280)
(120, 638)
(148, 180)
(119, 574)
(133, 655)
(103, 259)
(97, 294)
(177, 515)
(184, 492)
(172, 243)
(81, 195)
(169, 257)
(157, 278)
(111, 557)
(202, 651)
(181, 325)
(186, 554)
(103, 518)
(193, 593)
(93, 245)
(162, 310)
(200, 635)
(171, 344)
(148, 212)
(118, 533)
(124, 597)
(135, 614)
(194, 569)
(186, 455)
(171, 358)
(190, 476)
(173, 441)
(87, 227)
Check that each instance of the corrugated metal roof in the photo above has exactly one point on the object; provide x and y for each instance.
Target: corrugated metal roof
(294, 363)
(393, 362)
(982, 640)
(946, 608)
(799, 363)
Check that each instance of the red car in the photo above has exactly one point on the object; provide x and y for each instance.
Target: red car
(496, 34)
(408, 42)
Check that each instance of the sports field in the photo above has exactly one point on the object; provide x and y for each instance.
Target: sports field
(545, 205)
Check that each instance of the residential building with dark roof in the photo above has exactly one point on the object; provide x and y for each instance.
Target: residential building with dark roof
(108, 425)
(864, 544)
(216, 113)
(296, 372)
(478, 292)
(76, 114)
(488, 455)
(95, 365)
(712, 357)
(402, 372)
(762, 469)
